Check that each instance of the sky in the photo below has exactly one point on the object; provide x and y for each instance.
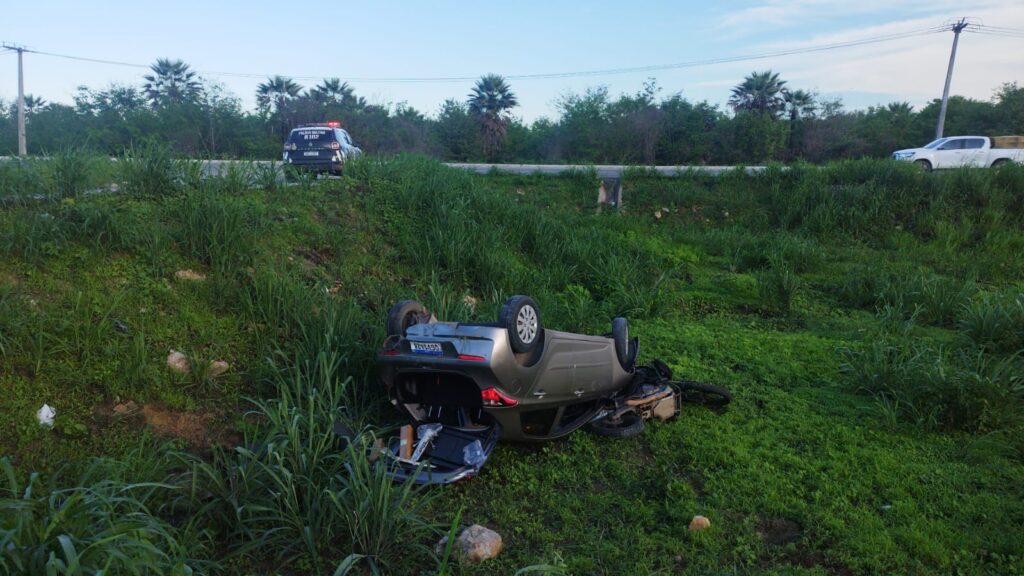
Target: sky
(367, 43)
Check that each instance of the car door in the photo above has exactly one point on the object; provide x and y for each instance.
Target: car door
(974, 153)
(950, 154)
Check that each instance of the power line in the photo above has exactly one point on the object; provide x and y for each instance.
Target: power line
(550, 75)
(1004, 28)
(997, 33)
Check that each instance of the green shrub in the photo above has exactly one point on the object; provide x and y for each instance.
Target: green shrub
(76, 170)
(995, 321)
(102, 523)
(777, 287)
(31, 235)
(938, 389)
(933, 299)
(149, 171)
(23, 180)
(292, 494)
(218, 230)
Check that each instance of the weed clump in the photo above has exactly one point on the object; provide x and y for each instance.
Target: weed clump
(995, 322)
(936, 388)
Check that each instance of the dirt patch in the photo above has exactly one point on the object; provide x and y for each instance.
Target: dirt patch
(9, 279)
(778, 531)
(314, 257)
(188, 426)
(696, 482)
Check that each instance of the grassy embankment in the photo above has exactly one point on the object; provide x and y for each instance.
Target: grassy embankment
(866, 317)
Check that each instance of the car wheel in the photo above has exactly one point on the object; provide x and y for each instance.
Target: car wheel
(625, 426)
(1001, 163)
(620, 334)
(701, 393)
(521, 317)
(924, 165)
(406, 313)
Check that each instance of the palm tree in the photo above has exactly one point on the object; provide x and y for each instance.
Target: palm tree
(334, 91)
(171, 82)
(799, 103)
(276, 91)
(34, 104)
(760, 92)
(488, 104)
(900, 108)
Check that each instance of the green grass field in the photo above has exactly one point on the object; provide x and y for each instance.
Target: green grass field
(867, 317)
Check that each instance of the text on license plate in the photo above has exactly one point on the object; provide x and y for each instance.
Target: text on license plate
(310, 153)
(426, 348)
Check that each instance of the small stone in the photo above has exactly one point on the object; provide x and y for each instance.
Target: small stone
(699, 523)
(657, 214)
(178, 362)
(127, 408)
(217, 367)
(474, 544)
(470, 301)
(190, 275)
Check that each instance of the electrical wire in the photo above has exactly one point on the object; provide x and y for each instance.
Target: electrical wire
(550, 75)
(1003, 28)
(1000, 34)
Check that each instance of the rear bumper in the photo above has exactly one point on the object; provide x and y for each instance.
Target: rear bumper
(297, 160)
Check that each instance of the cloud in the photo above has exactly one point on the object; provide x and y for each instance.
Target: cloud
(913, 68)
(779, 14)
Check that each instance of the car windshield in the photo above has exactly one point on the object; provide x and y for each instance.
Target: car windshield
(310, 138)
(935, 143)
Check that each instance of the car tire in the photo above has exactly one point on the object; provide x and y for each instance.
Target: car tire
(406, 313)
(626, 426)
(620, 335)
(1001, 163)
(702, 393)
(521, 317)
(924, 165)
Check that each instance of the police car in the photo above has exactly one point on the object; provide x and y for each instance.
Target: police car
(321, 147)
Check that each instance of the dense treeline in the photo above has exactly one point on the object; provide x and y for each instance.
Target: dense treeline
(764, 120)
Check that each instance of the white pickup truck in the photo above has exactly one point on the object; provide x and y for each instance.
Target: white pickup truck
(957, 151)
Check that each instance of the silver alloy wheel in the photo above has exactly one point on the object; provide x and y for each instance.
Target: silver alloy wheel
(526, 324)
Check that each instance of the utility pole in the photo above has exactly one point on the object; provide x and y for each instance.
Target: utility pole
(957, 27)
(21, 99)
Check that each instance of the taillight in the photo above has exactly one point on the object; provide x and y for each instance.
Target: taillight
(494, 398)
(335, 146)
(291, 146)
(392, 352)
(472, 358)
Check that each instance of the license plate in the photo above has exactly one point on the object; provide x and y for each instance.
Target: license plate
(310, 153)
(432, 348)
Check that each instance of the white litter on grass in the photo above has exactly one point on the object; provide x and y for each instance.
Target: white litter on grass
(45, 416)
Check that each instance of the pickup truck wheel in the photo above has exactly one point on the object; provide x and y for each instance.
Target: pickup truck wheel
(1001, 163)
(521, 317)
(626, 426)
(924, 165)
(406, 313)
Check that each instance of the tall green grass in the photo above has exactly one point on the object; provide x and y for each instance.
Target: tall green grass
(106, 519)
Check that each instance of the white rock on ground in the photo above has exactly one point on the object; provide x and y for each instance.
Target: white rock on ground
(178, 362)
(218, 367)
(474, 544)
(189, 275)
(699, 523)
